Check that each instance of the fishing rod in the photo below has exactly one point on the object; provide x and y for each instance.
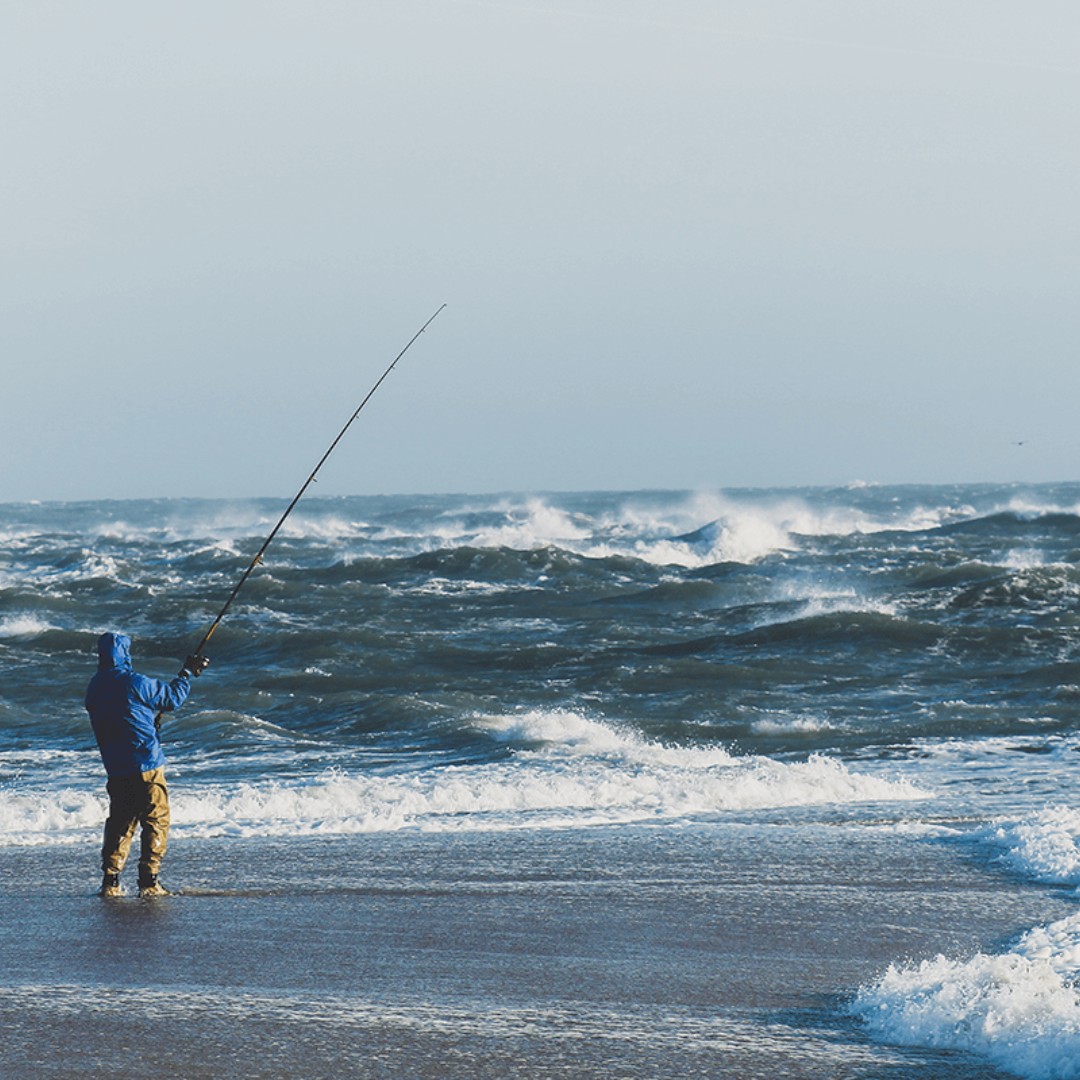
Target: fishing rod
(307, 483)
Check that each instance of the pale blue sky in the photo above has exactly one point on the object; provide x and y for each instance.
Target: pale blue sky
(682, 244)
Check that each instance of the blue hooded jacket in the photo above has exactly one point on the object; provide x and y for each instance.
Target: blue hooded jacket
(123, 705)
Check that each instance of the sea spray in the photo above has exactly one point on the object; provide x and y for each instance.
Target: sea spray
(1017, 1010)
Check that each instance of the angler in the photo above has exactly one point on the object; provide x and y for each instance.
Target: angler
(121, 705)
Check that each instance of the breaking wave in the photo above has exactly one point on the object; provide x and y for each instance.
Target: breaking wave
(566, 771)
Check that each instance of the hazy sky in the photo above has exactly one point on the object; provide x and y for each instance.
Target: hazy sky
(682, 244)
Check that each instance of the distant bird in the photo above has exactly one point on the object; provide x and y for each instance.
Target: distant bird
(1020, 443)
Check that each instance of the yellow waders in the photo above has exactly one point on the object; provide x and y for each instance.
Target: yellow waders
(133, 800)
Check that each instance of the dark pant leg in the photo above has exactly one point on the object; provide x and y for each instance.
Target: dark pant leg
(125, 805)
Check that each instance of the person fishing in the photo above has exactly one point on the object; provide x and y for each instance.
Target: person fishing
(124, 707)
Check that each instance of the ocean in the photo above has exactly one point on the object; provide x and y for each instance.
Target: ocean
(618, 784)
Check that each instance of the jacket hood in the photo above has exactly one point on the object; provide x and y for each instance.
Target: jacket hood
(114, 652)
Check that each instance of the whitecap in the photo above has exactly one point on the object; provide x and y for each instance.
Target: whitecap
(1019, 1010)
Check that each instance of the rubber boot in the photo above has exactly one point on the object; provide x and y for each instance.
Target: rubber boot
(110, 885)
(150, 886)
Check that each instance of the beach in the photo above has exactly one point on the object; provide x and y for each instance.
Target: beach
(612, 785)
(722, 950)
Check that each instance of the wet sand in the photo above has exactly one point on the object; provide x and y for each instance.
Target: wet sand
(726, 950)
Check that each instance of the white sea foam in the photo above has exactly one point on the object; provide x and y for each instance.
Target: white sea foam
(1058, 944)
(779, 725)
(557, 731)
(1045, 848)
(566, 771)
(521, 526)
(734, 527)
(1026, 507)
(1023, 559)
(29, 818)
(439, 586)
(1040, 770)
(23, 626)
(1020, 1010)
(540, 525)
(745, 530)
(329, 528)
(552, 789)
(733, 530)
(825, 598)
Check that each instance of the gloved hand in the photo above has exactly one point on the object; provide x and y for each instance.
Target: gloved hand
(196, 664)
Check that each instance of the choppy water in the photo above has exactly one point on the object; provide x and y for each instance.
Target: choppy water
(900, 655)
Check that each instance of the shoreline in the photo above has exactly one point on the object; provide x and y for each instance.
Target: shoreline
(606, 952)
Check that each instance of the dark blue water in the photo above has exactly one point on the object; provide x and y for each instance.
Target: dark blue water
(903, 655)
